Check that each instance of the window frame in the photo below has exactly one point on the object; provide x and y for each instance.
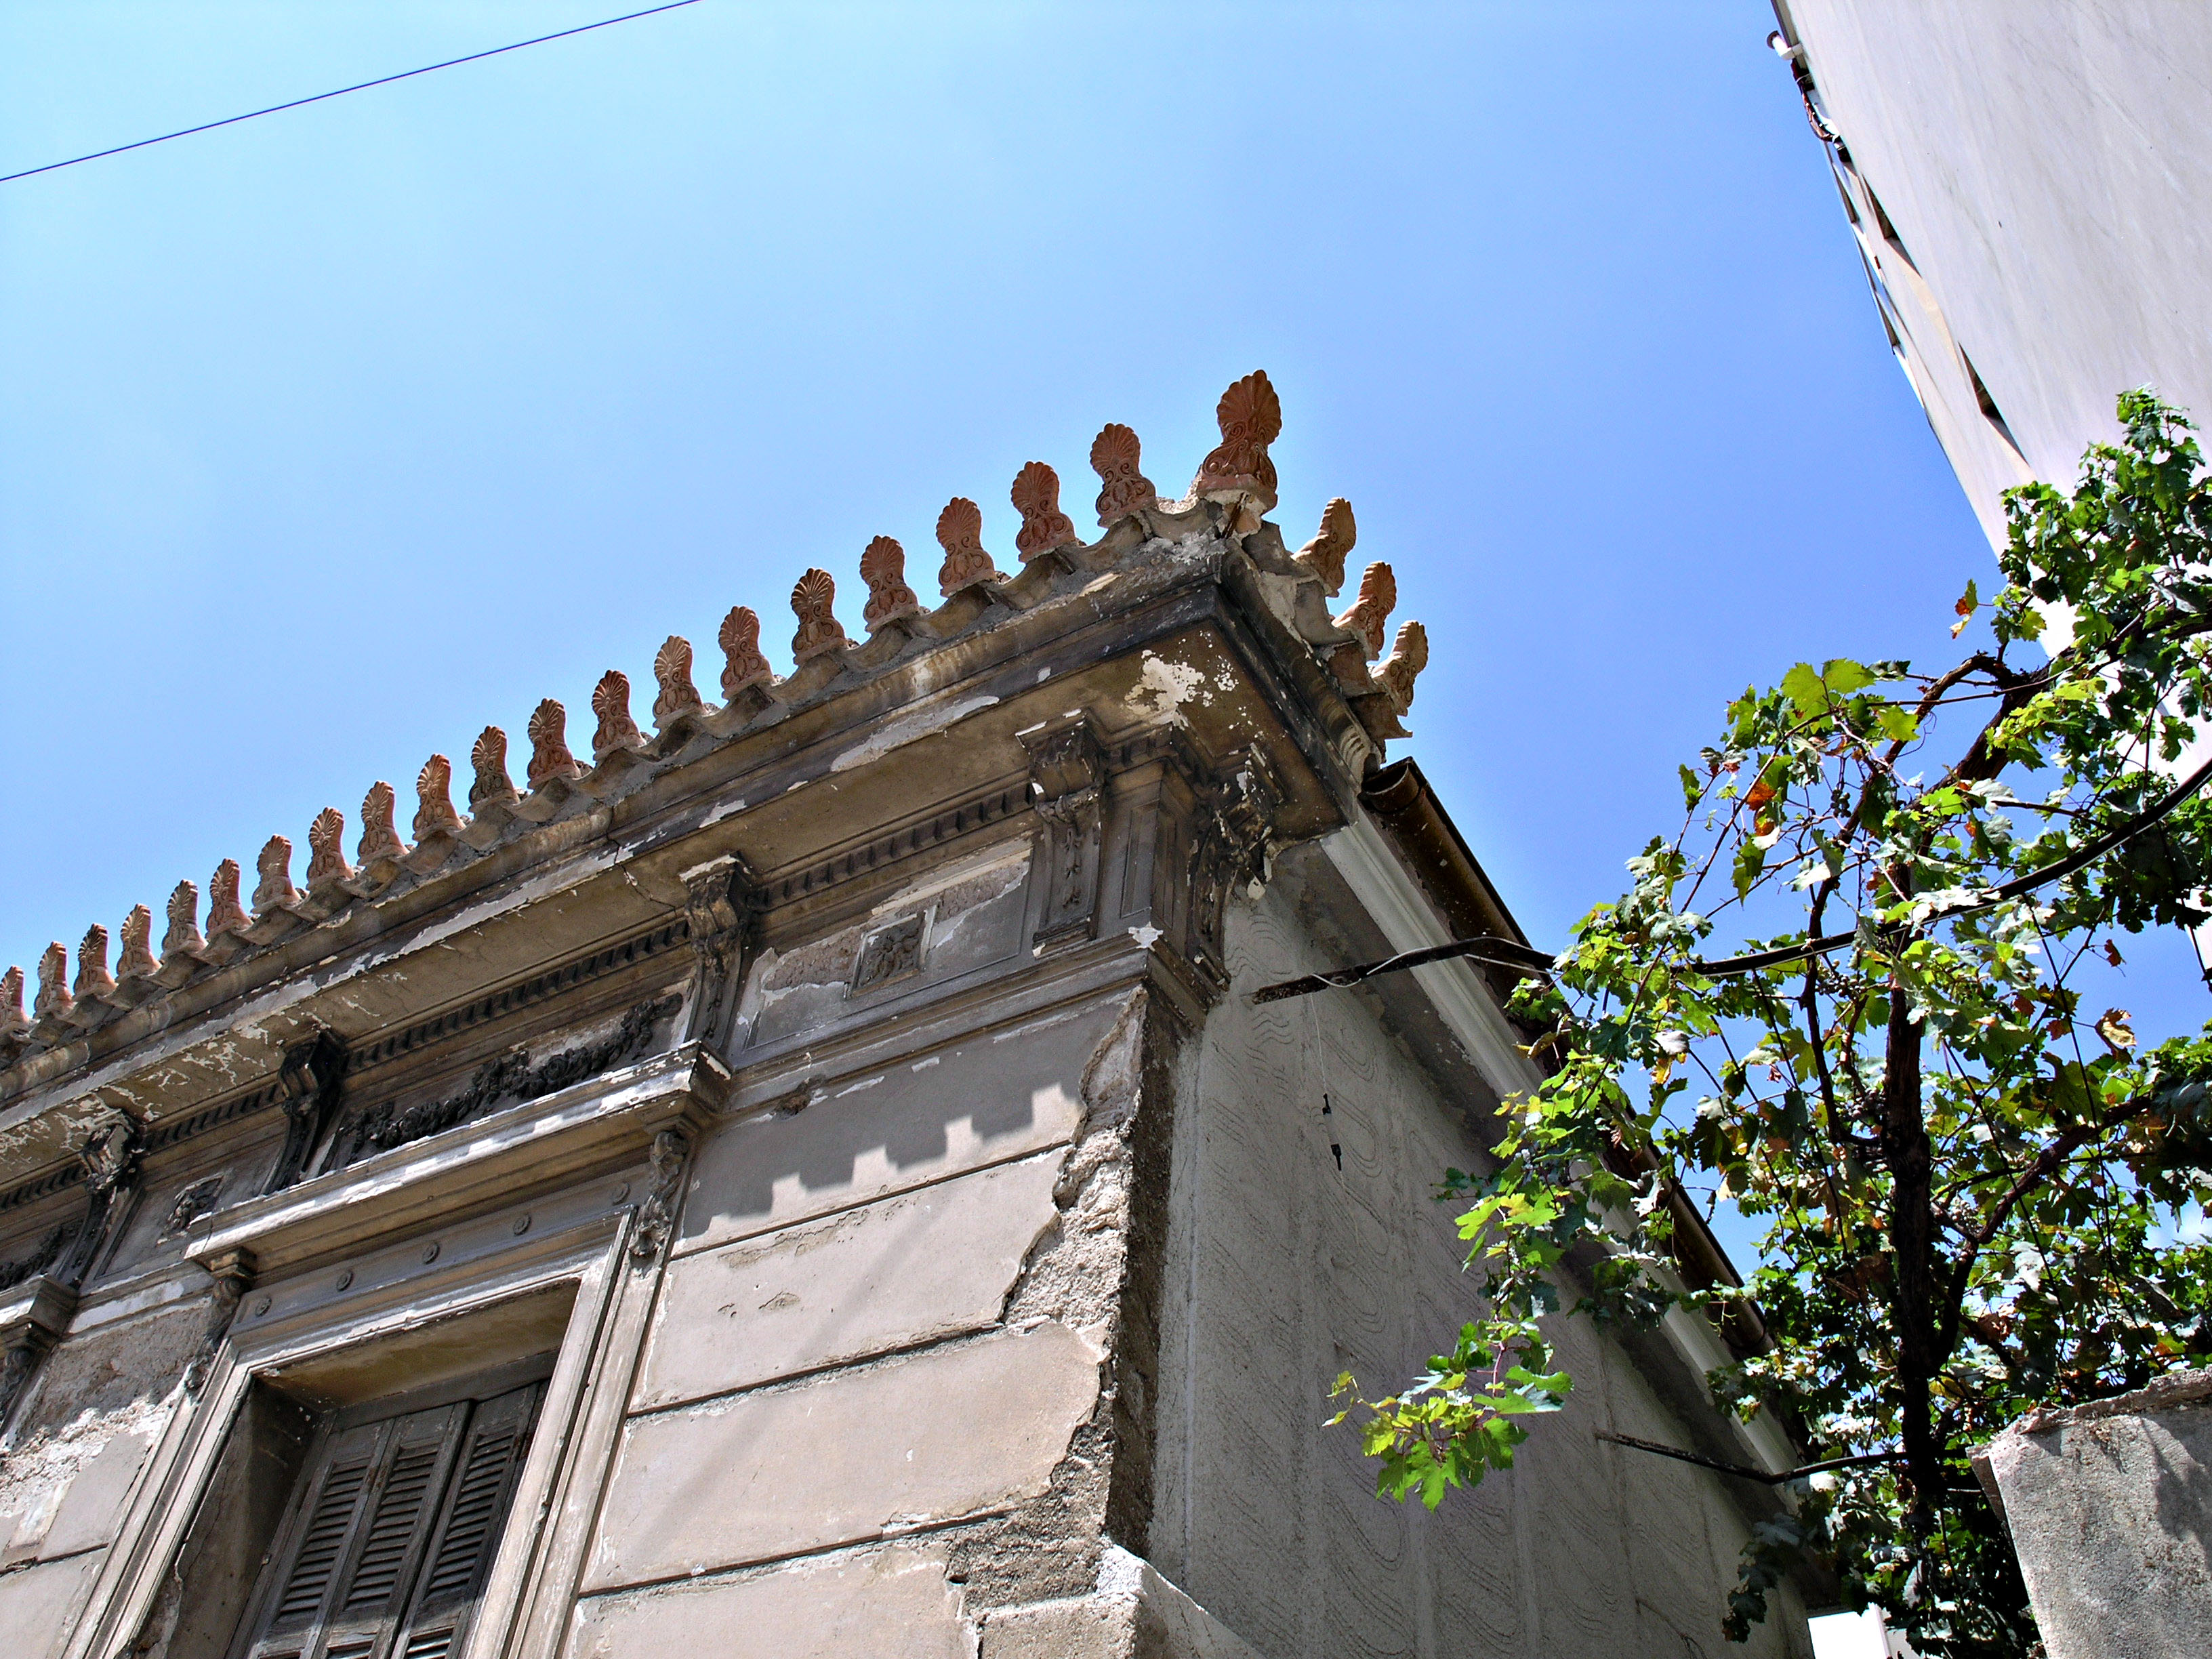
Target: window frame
(524, 1605)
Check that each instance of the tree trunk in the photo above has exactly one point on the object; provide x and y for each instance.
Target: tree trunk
(1912, 1237)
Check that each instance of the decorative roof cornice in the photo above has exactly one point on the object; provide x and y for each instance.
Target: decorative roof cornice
(507, 831)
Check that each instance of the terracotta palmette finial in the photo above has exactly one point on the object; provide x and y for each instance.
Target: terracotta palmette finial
(819, 632)
(617, 731)
(743, 664)
(549, 759)
(1250, 416)
(326, 858)
(1371, 613)
(1115, 457)
(275, 868)
(492, 786)
(1324, 555)
(183, 938)
(433, 799)
(53, 999)
(92, 978)
(12, 1019)
(1409, 655)
(671, 672)
(960, 533)
(137, 960)
(379, 835)
(882, 566)
(226, 914)
(1035, 496)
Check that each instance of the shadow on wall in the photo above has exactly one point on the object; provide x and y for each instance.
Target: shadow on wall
(980, 1101)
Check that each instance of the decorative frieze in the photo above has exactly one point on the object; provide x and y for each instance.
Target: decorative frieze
(503, 1081)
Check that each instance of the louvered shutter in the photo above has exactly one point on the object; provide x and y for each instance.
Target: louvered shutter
(483, 1490)
(393, 1516)
(322, 1531)
(401, 1513)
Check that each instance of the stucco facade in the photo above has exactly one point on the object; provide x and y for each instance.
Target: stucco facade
(2029, 186)
(811, 1180)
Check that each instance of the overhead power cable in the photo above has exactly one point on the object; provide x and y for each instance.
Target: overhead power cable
(362, 86)
(1509, 953)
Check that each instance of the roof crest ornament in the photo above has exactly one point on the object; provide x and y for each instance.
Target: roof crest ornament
(433, 799)
(381, 848)
(882, 566)
(326, 858)
(225, 914)
(183, 940)
(1371, 613)
(671, 672)
(93, 979)
(137, 960)
(492, 787)
(12, 1020)
(1123, 489)
(617, 732)
(549, 759)
(960, 533)
(743, 667)
(1045, 529)
(275, 889)
(819, 633)
(53, 999)
(1250, 416)
(1323, 557)
(1409, 655)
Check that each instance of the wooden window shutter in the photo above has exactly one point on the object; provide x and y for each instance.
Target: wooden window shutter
(398, 1516)
(482, 1491)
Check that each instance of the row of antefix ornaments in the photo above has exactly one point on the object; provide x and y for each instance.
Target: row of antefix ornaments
(1238, 470)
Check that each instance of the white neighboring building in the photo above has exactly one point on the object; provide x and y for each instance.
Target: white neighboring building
(2031, 187)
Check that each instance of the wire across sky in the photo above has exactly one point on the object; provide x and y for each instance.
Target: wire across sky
(340, 92)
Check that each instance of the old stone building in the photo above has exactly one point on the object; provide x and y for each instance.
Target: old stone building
(808, 1177)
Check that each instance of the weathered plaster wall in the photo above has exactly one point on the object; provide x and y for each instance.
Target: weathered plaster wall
(2045, 169)
(2110, 1509)
(888, 1315)
(95, 1412)
(1285, 1270)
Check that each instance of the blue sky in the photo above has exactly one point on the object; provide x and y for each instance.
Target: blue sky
(331, 437)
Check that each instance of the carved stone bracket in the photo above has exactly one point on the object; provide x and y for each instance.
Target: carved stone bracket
(1235, 847)
(34, 1322)
(233, 1272)
(313, 1080)
(656, 1216)
(722, 908)
(1067, 775)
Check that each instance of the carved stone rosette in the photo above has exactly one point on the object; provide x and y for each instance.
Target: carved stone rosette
(1067, 775)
